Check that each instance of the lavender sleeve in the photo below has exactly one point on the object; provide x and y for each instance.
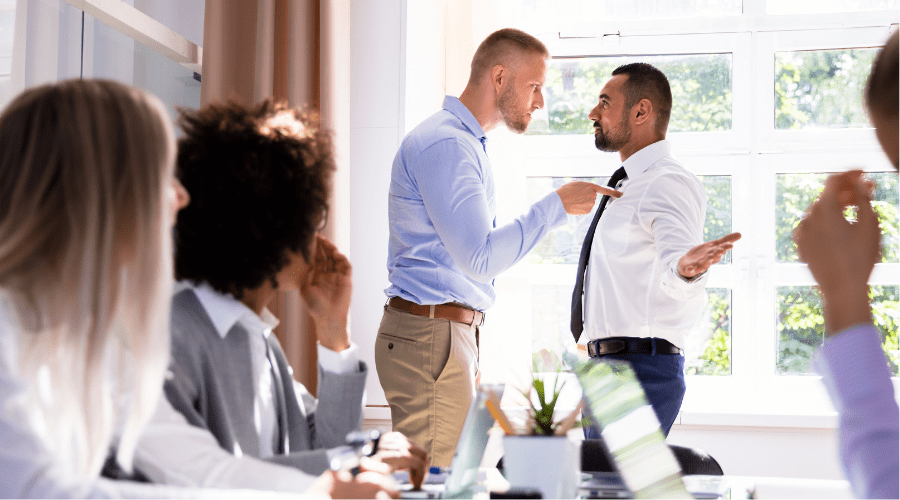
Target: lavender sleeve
(855, 372)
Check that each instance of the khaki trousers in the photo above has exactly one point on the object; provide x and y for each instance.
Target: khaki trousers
(428, 370)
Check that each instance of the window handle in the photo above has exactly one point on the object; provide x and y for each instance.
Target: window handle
(745, 269)
(762, 270)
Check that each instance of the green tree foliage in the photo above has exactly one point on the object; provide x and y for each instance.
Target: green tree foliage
(795, 192)
(821, 88)
(800, 326)
(712, 338)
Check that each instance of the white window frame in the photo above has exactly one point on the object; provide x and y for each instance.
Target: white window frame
(752, 153)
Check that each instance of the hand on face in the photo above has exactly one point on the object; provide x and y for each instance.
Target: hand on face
(395, 450)
(840, 253)
(326, 288)
(698, 259)
(578, 197)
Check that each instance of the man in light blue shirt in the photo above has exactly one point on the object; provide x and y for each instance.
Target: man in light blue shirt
(445, 247)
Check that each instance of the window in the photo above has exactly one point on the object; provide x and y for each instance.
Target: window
(763, 110)
(53, 40)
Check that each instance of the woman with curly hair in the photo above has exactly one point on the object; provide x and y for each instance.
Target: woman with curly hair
(259, 179)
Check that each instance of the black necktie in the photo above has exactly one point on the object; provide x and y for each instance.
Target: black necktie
(577, 307)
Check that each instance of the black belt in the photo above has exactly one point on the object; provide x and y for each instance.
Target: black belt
(630, 345)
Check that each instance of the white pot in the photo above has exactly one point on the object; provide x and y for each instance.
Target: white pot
(548, 463)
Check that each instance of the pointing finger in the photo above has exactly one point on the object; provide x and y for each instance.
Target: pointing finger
(609, 192)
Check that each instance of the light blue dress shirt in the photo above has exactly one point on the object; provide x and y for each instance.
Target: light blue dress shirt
(445, 245)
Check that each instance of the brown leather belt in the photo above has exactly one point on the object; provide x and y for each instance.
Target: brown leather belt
(450, 311)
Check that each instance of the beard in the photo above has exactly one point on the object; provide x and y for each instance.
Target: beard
(515, 120)
(614, 139)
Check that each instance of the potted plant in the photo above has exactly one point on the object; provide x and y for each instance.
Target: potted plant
(543, 456)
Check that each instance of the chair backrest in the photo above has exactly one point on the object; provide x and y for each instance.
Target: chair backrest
(694, 461)
(595, 458)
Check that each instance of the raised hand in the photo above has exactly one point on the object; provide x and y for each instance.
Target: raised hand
(840, 253)
(578, 198)
(698, 259)
(326, 287)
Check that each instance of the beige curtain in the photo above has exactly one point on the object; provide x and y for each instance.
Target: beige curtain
(254, 49)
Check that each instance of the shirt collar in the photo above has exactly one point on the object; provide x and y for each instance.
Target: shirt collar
(640, 161)
(459, 110)
(225, 311)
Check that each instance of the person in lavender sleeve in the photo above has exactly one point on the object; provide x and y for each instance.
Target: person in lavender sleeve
(841, 256)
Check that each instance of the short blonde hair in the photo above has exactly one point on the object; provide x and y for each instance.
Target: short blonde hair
(501, 47)
(85, 260)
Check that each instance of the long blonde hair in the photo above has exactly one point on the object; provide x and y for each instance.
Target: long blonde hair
(85, 261)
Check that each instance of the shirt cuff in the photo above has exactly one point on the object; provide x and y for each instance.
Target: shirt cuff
(346, 361)
(552, 206)
(678, 287)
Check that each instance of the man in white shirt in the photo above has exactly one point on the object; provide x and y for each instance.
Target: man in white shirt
(259, 179)
(643, 268)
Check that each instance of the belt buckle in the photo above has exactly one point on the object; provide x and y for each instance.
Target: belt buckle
(609, 347)
(475, 313)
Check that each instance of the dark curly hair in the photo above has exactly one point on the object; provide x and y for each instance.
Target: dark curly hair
(259, 180)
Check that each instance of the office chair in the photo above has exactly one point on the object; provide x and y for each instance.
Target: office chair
(595, 458)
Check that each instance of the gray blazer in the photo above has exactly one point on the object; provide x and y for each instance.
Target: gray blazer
(212, 386)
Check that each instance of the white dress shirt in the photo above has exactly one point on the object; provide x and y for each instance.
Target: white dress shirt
(632, 286)
(225, 311)
(30, 468)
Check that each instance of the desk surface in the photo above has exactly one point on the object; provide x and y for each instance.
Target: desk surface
(784, 487)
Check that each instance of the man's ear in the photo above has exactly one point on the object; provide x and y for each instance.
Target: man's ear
(642, 111)
(499, 78)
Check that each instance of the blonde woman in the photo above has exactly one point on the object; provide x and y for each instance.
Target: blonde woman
(87, 201)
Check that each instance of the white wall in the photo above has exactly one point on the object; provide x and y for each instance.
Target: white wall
(376, 111)
(764, 450)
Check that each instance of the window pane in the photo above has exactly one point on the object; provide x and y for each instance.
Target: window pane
(827, 6)
(718, 209)
(118, 57)
(184, 17)
(821, 88)
(701, 92)
(563, 245)
(551, 307)
(707, 348)
(795, 192)
(800, 326)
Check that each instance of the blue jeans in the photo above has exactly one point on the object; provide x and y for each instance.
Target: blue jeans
(662, 377)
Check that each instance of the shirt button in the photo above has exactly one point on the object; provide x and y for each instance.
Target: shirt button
(391, 345)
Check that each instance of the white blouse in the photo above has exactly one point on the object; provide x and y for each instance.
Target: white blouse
(29, 469)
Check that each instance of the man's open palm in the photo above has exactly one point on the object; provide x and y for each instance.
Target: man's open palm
(704, 255)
